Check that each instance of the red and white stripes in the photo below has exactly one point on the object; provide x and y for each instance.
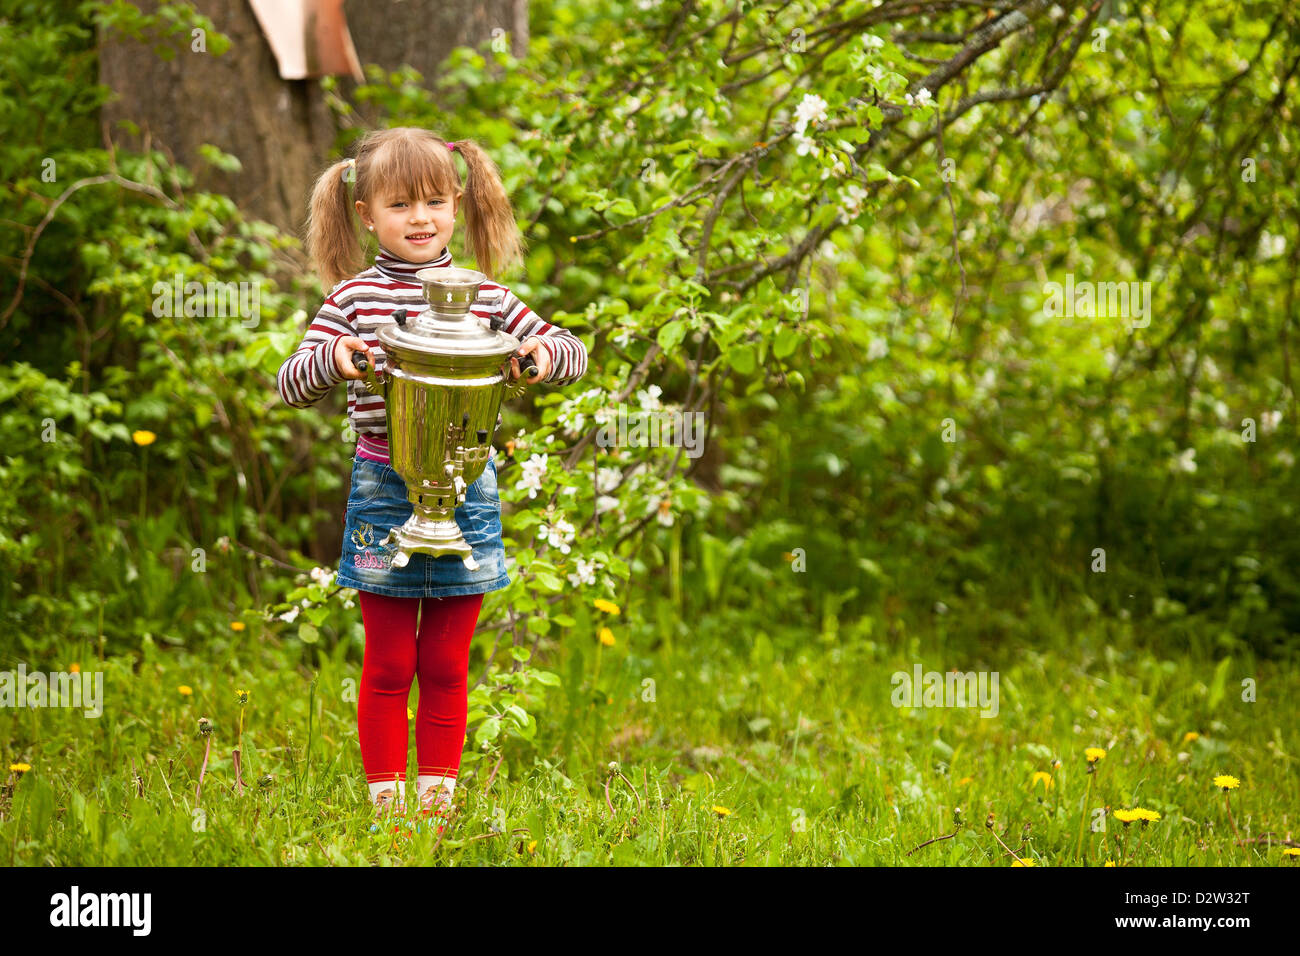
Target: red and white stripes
(353, 308)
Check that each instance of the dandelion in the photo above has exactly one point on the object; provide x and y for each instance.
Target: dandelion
(1092, 754)
(607, 637)
(1146, 816)
(1045, 778)
(1291, 852)
(243, 696)
(205, 730)
(236, 625)
(19, 767)
(1126, 816)
(143, 437)
(185, 690)
(964, 781)
(1227, 782)
(609, 607)
(1022, 862)
(410, 715)
(1190, 736)
(722, 811)
(532, 846)
(1109, 863)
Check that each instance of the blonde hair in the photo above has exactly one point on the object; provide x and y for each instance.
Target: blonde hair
(410, 161)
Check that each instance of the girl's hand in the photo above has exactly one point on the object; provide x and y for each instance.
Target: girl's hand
(344, 346)
(541, 358)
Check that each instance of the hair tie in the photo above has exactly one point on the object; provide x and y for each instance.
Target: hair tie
(350, 162)
(452, 147)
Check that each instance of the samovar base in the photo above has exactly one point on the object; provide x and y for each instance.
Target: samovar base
(427, 532)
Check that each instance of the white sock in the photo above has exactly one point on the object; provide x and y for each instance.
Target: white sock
(397, 786)
(426, 780)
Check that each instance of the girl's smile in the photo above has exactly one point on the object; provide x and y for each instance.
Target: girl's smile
(415, 231)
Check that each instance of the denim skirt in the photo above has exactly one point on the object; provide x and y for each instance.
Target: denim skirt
(378, 502)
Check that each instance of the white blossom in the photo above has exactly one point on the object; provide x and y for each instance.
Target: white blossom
(607, 479)
(584, 573)
(811, 107)
(290, 615)
(1186, 460)
(922, 98)
(1268, 421)
(872, 42)
(649, 398)
(605, 503)
(322, 576)
(877, 349)
(558, 534)
(851, 198)
(532, 471)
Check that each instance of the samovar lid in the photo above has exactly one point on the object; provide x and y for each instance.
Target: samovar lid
(448, 327)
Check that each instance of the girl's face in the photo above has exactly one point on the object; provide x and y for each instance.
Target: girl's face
(414, 230)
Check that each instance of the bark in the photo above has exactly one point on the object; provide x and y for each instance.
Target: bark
(281, 130)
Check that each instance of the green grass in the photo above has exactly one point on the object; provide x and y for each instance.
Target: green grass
(793, 733)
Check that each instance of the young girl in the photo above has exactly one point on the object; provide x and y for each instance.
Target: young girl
(419, 619)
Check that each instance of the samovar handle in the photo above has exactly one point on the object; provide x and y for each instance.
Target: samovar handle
(371, 383)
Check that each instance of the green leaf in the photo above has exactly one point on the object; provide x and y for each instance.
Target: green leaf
(308, 634)
(671, 334)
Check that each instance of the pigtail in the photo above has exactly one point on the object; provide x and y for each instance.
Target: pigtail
(332, 243)
(492, 234)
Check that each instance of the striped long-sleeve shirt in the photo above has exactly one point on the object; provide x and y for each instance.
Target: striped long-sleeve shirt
(356, 306)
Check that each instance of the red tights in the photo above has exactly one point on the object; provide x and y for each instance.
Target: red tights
(395, 655)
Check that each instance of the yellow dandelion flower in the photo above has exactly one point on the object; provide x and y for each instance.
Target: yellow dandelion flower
(1291, 851)
(1046, 779)
(607, 637)
(143, 437)
(243, 696)
(1109, 863)
(1023, 862)
(1094, 754)
(1227, 782)
(236, 625)
(532, 845)
(1146, 816)
(722, 811)
(410, 715)
(74, 668)
(1126, 816)
(964, 780)
(185, 690)
(20, 767)
(609, 607)
(1190, 736)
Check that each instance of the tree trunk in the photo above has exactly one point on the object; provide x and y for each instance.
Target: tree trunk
(281, 130)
